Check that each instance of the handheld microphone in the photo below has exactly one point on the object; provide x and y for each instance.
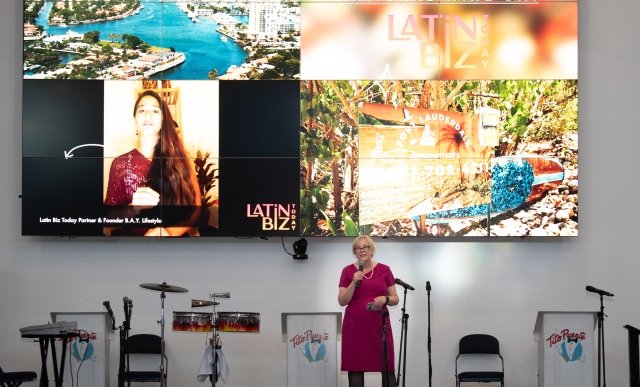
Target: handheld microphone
(127, 308)
(360, 268)
(107, 305)
(405, 285)
(428, 286)
(600, 292)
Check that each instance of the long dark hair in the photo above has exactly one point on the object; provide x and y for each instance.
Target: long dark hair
(171, 173)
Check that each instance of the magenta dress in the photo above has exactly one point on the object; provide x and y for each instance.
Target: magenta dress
(362, 329)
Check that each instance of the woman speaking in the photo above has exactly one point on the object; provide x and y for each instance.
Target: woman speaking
(366, 288)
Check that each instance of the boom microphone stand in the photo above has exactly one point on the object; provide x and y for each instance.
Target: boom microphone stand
(429, 328)
(601, 359)
(601, 316)
(403, 342)
(385, 363)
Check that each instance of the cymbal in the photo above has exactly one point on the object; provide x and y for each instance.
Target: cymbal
(163, 287)
(197, 303)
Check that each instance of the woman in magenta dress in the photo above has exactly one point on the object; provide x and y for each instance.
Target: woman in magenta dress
(362, 326)
(158, 171)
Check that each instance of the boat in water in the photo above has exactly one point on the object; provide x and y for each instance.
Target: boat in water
(163, 61)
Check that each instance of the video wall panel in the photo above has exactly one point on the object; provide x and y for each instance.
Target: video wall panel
(285, 118)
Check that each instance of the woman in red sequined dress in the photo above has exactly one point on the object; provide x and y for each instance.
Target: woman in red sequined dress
(158, 171)
(362, 324)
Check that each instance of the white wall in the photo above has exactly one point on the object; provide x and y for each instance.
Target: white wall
(495, 287)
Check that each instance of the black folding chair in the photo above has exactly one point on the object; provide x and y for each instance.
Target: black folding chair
(480, 345)
(141, 344)
(14, 379)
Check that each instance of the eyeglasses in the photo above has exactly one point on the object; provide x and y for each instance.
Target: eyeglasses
(361, 248)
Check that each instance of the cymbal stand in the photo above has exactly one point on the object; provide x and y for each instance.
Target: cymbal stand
(163, 376)
(163, 288)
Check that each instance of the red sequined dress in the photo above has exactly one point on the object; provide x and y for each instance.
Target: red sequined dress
(128, 172)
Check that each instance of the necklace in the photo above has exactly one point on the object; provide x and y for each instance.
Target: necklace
(370, 274)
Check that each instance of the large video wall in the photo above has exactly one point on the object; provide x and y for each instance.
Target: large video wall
(285, 118)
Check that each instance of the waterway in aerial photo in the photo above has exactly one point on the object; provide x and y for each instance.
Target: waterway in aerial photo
(165, 25)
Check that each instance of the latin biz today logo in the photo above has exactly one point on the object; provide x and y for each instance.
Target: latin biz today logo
(274, 217)
(464, 44)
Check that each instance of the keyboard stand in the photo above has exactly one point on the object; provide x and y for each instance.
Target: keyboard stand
(45, 342)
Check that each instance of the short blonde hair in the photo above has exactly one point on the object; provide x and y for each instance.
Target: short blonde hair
(366, 238)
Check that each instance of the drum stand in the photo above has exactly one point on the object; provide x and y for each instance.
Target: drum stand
(214, 345)
(215, 341)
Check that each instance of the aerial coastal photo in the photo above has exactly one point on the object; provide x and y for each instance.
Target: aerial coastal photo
(161, 39)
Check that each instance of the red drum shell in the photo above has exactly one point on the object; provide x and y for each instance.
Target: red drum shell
(192, 322)
(238, 322)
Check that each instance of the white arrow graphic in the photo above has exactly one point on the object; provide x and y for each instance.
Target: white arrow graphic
(69, 154)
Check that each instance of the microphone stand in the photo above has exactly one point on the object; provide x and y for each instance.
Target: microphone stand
(403, 342)
(385, 364)
(601, 357)
(429, 329)
(122, 364)
(124, 336)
